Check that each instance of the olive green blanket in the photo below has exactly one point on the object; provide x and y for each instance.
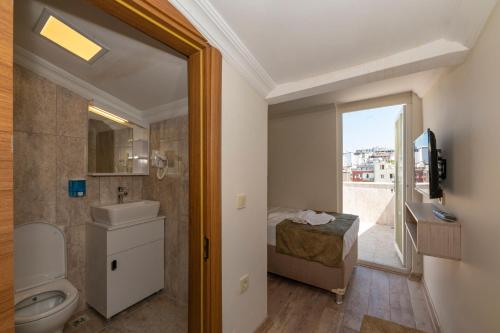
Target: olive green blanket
(322, 243)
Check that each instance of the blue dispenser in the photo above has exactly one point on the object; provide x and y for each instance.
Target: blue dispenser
(77, 188)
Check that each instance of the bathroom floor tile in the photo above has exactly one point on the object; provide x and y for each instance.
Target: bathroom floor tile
(94, 323)
(157, 313)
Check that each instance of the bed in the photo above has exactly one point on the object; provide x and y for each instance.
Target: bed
(332, 277)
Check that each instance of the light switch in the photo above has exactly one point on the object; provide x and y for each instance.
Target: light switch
(244, 283)
(241, 200)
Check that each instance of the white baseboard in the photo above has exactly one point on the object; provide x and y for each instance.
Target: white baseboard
(432, 310)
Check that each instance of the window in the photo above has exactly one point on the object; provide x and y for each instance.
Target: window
(391, 176)
(382, 176)
(382, 167)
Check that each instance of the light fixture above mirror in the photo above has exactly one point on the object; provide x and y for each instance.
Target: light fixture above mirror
(108, 115)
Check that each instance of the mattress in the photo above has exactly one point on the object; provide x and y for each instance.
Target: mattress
(277, 214)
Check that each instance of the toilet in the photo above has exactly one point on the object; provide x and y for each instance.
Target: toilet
(44, 298)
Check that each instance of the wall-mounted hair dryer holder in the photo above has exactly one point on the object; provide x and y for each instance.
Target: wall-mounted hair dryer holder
(160, 162)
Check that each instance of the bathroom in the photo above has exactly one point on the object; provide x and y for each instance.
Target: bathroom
(100, 148)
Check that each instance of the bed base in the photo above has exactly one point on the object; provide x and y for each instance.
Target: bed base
(333, 279)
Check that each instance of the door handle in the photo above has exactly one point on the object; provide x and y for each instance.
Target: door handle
(114, 265)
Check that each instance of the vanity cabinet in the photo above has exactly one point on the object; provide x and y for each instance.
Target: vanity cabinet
(125, 264)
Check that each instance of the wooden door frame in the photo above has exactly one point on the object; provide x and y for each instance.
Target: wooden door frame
(160, 20)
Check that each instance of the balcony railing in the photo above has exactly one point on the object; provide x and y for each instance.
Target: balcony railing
(372, 202)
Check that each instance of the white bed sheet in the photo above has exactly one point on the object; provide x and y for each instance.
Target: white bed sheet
(277, 214)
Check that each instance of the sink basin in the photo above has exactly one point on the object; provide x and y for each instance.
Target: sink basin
(127, 212)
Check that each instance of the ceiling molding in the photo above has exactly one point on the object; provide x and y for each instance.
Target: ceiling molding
(212, 25)
(436, 54)
(166, 111)
(65, 79)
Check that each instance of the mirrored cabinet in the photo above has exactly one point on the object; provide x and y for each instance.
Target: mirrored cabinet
(116, 146)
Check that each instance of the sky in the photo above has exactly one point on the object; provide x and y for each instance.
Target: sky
(370, 128)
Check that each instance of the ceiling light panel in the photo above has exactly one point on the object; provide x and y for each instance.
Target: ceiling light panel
(64, 35)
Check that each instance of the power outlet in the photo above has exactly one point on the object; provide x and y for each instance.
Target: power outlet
(244, 283)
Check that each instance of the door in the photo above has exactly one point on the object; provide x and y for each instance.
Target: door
(399, 186)
(133, 275)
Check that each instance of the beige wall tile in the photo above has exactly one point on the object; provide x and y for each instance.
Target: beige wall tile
(71, 113)
(183, 261)
(34, 177)
(71, 165)
(171, 258)
(184, 197)
(170, 137)
(154, 135)
(34, 103)
(109, 188)
(93, 195)
(150, 190)
(135, 188)
(76, 260)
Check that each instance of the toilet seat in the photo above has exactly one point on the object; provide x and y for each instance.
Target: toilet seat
(60, 288)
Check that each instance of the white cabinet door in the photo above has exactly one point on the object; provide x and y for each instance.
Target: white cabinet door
(133, 275)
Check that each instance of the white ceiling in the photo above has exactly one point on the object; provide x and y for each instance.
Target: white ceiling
(291, 49)
(137, 70)
(295, 39)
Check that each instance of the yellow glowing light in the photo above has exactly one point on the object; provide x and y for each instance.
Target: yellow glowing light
(70, 39)
(107, 114)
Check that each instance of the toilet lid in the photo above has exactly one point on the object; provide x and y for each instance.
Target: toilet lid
(39, 255)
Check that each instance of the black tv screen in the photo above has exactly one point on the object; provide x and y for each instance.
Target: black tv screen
(426, 171)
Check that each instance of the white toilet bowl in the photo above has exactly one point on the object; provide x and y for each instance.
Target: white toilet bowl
(46, 308)
(44, 299)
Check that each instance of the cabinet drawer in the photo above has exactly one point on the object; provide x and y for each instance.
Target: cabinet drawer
(129, 237)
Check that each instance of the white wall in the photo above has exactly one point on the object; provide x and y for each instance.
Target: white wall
(463, 111)
(244, 170)
(302, 160)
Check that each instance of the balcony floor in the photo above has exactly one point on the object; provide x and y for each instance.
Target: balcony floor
(376, 245)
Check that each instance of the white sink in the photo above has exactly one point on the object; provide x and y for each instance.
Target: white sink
(127, 212)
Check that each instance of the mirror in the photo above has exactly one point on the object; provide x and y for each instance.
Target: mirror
(116, 146)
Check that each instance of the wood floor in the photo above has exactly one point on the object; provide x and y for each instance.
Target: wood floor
(295, 307)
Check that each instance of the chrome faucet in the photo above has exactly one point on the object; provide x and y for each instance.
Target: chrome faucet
(122, 193)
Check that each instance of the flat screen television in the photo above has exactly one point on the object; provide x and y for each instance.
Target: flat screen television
(427, 172)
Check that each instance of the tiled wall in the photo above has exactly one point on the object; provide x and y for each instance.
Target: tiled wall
(171, 138)
(50, 147)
